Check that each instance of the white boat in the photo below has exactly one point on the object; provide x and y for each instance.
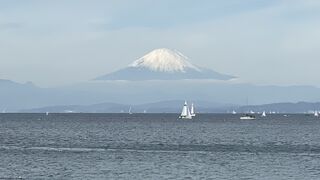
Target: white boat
(316, 114)
(248, 117)
(234, 112)
(263, 114)
(192, 112)
(68, 111)
(185, 114)
(47, 113)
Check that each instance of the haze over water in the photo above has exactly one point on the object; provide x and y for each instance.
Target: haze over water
(158, 146)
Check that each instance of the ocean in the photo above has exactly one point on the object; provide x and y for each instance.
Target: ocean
(158, 146)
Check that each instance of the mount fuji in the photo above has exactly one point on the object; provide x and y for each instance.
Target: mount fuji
(164, 64)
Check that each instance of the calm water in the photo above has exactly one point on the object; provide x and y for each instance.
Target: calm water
(158, 146)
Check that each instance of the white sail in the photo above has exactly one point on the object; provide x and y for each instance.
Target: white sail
(234, 112)
(47, 113)
(192, 110)
(189, 115)
(263, 114)
(185, 114)
(130, 110)
(184, 110)
(316, 114)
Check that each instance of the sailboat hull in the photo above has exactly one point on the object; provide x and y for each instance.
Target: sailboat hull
(247, 118)
(185, 117)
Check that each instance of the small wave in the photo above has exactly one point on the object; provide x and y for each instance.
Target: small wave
(60, 149)
(308, 149)
(66, 149)
(266, 148)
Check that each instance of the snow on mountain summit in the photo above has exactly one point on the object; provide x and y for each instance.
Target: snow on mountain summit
(164, 60)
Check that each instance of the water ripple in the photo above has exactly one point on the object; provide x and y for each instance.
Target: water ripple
(180, 148)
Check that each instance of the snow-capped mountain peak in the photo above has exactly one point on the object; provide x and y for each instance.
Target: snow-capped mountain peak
(163, 64)
(164, 60)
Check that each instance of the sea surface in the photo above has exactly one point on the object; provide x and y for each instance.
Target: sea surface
(158, 146)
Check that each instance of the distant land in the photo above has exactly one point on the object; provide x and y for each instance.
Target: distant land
(15, 97)
(175, 107)
(159, 81)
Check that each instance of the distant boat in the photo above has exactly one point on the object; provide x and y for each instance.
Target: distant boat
(263, 114)
(47, 113)
(68, 111)
(192, 112)
(248, 117)
(185, 114)
(130, 110)
(316, 114)
(234, 112)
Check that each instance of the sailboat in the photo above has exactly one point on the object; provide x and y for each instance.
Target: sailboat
(234, 112)
(248, 116)
(316, 114)
(185, 114)
(130, 110)
(193, 114)
(263, 114)
(47, 113)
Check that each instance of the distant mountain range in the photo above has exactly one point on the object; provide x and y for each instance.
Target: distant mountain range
(16, 96)
(176, 106)
(163, 64)
(159, 76)
(157, 107)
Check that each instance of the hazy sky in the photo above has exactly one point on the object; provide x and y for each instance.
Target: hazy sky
(57, 42)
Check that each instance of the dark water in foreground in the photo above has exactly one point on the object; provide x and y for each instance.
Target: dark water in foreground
(158, 146)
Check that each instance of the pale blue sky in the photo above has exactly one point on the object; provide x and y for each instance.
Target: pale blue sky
(59, 42)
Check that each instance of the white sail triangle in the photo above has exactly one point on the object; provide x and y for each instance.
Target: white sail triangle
(185, 114)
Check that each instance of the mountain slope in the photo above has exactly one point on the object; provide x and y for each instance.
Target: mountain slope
(163, 64)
